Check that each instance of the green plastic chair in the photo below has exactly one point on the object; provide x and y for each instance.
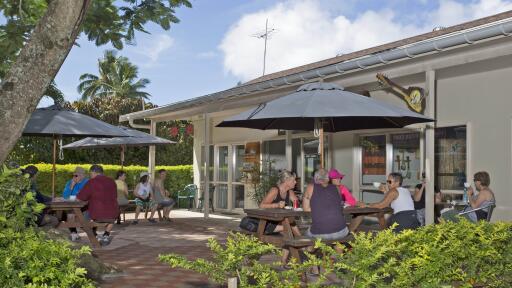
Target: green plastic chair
(189, 192)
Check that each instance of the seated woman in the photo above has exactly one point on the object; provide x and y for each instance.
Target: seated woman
(43, 218)
(277, 197)
(399, 199)
(324, 202)
(484, 198)
(335, 178)
(75, 184)
(122, 188)
(143, 197)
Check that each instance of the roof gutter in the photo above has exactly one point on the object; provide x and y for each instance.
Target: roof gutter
(411, 51)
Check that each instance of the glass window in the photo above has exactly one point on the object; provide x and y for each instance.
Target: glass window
(238, 196)
(275, 150)
(221, 191)
(450, 157)
(312, 158)
(223, 164)
(238, 154)
(406, 157)
(373, 159)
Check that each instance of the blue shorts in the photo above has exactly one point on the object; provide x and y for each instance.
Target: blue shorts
(331, 236)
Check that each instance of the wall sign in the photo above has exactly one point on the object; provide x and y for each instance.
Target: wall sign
(413, 96)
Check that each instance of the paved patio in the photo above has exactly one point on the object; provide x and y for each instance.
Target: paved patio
(135, 249)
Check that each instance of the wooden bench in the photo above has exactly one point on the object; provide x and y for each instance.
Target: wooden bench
(304, 241)
(131, 207)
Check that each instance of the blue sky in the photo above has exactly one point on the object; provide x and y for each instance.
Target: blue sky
(211, 49)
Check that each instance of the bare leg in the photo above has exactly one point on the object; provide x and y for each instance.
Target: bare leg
(284, 258)
(153, 210)
(137, 212)
(167, 212)
(354, 224)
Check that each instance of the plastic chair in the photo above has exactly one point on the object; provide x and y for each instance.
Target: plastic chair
(489, 206)
(189, 192)
(201, 199)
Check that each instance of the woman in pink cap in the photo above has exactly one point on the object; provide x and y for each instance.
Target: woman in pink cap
(335, 176)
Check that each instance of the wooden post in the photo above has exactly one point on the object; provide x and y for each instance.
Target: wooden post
(53, 166)
(122, 156)
(232, 282)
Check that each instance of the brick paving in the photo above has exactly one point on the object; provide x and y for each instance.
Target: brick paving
(135, 249)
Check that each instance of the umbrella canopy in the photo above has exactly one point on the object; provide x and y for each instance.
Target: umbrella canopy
(337, 110)
(58, 121)
(135, 138)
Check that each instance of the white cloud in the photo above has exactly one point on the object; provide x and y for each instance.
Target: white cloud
(150, 50)
(307, 32)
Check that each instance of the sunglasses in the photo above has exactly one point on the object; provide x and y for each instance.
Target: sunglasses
(389, 181)
(75, 175)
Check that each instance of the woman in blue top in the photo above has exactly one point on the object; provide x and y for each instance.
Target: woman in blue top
(74, 185)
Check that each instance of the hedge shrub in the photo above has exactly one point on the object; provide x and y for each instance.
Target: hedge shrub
(462, 254)
(28, 258)
(177, 176)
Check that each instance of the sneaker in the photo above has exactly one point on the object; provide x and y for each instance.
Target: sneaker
(152, 220)
(135, 222)
(105, 240)
(74, 237)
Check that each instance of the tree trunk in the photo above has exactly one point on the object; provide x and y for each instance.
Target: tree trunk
(36, 66)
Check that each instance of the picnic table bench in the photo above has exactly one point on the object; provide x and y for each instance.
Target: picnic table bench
(292, 242)
(78, 221)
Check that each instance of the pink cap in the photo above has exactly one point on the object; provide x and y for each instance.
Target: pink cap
(335, 174)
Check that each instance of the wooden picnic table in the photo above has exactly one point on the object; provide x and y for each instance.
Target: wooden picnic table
(286, 216)
(76, 208)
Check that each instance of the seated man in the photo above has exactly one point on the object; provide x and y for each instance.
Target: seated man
(325, 203)
(399, 199)
(162, 196)
(72, 188)
(101, 193)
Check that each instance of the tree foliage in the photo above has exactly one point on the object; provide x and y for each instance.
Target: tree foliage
(107, 21)
(108, 109)
(117, 78)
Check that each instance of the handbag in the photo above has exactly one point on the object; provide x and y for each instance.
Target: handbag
(250, 224)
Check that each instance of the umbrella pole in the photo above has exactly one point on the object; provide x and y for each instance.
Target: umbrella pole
(122, 157)
(53, 167)
(321, 141)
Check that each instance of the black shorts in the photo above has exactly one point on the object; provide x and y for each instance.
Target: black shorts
(405, 220)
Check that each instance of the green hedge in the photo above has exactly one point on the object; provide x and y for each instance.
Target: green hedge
(449, 254)
(177, 176)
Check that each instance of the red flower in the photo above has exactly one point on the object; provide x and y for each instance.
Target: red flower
(174, 131)
(190, 129)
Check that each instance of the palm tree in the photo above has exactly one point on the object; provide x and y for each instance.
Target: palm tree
(54, 93)
(117, 78)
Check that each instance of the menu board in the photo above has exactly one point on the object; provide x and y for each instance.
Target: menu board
(373, 159)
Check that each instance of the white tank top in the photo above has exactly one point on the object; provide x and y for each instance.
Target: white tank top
(144, 190)
(403, 202)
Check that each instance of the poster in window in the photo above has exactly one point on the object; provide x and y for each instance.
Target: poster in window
(406, 157)
(373, 159)
(450, 157)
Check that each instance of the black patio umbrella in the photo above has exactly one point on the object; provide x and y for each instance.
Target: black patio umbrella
(56, 122)
(323, 107)
(135, 138)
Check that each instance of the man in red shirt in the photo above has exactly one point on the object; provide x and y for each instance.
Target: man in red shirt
(101, 193)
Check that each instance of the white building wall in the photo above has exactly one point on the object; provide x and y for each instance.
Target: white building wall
(480, 96)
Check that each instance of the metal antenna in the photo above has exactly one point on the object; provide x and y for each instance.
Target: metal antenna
(265, 35)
